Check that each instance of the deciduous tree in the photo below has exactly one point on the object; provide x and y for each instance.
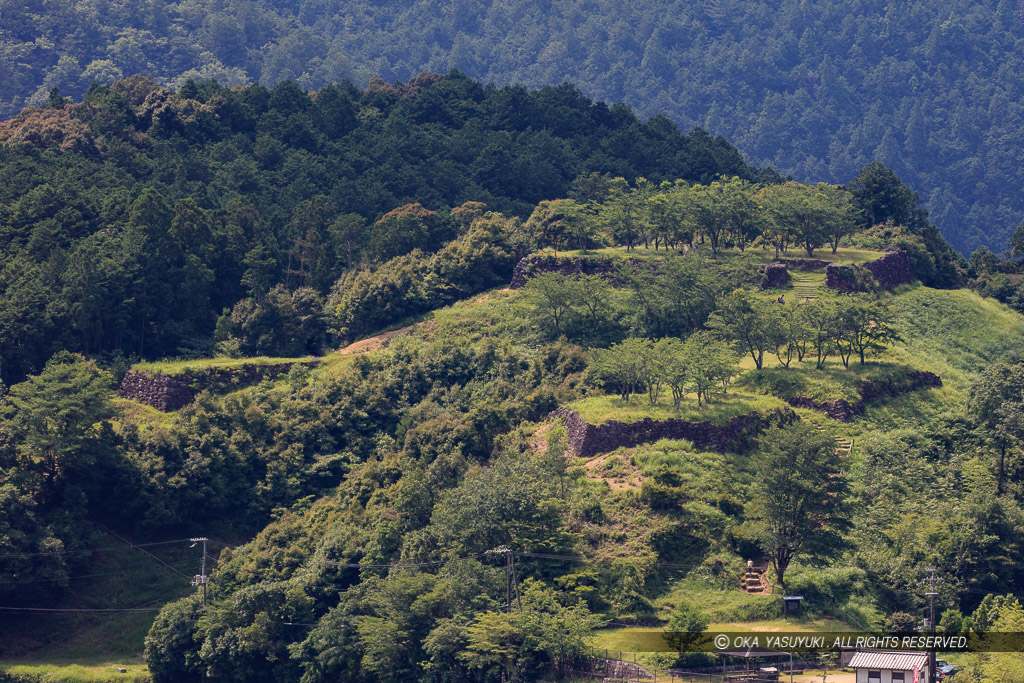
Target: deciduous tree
(798, 505)
(554, 297)
(866, 327)
(747, 320)
(61, 418)
(997, 402)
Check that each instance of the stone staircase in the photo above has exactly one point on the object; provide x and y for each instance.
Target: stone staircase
(844, 445)
(806, 286)
(753, 580)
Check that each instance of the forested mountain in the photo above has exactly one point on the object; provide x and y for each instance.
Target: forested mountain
(419, 504)
(131, 220)
(816, 89)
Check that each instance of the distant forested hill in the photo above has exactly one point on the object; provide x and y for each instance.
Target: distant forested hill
(816, 89)
(130, 220)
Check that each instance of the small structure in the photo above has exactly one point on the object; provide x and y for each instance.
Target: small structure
(890, 666)
(754, 674)
(791, 604)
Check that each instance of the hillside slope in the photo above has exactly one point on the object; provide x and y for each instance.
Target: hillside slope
(629, 535)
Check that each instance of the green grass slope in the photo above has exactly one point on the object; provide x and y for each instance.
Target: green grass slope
(955, 333)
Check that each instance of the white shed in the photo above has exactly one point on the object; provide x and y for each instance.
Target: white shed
(890, 667)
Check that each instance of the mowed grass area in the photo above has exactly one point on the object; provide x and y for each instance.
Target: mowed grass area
(139, 413)
(831, 382)
(99, 671)
(496, 314)
(954, 333)
(599, 409)
(636, 643)
(503, 310)
(176, 367)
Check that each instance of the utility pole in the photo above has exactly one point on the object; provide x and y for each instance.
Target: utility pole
(515, 580)
(931, 625)
(510, 576)
(200, 578)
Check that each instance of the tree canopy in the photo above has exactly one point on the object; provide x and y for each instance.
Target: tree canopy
(817, 90)
(133, 219)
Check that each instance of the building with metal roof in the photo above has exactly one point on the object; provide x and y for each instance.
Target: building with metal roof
(890, 667)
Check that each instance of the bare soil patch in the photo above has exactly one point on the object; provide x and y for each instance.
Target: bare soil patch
(376, 342)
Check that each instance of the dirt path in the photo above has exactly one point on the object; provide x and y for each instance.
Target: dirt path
(539, 441)
(628, 476)
(376, 342)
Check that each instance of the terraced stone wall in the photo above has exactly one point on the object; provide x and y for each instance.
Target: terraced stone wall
(167, 392)
(587, 440)
(538, 264)
(888, 272)
(870, 391)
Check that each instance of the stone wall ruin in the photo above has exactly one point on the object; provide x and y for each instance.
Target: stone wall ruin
(167, 392)
(737, 435)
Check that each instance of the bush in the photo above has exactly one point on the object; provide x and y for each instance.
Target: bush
(661, 497)
(283, 323)
(370, 299)
(832, 586)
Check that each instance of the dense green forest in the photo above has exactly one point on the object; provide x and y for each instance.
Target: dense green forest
(814, 89)
(130, 221)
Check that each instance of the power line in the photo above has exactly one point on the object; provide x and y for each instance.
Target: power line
(79, 576)
(584, 560)
(400, 565)
(81, 609)
(92, 550)
(144, 552)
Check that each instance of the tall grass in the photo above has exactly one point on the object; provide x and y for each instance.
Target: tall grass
(955, 333)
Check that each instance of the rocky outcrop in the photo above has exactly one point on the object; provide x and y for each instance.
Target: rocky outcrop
(870, 391)
(537, 264)
(892, 270)
(774, 275)
(168, 392)
(839, 410)
(845, 278)
(616, 670)
(888, 272)
(736, 435)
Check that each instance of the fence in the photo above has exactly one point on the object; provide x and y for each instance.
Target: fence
(609, 669)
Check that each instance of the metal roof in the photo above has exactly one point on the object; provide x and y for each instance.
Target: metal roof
(896, 661)
(749, 652)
